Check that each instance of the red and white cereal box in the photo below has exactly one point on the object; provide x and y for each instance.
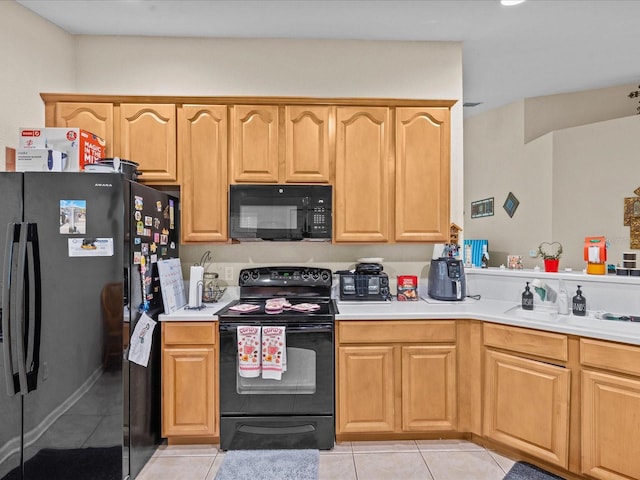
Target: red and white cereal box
(407, 288)
(82, 147)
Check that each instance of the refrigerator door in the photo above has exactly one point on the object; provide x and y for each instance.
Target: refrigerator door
(10, 405)
(154, 230)
(74, 417)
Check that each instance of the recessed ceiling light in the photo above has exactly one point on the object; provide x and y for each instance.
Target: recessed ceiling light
(509, 3)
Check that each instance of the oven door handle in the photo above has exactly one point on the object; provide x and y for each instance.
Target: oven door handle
(297, 328)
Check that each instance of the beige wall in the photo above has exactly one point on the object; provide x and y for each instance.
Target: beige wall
(554, 112)
(312, 68)
(35, 56)
(155, 66)
(571, 183)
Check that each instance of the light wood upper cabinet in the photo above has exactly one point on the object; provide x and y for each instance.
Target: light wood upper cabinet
(147, 136)
(96, 118)
(202, 154)
(362, 183)
(254, 135)
(422, 174)
(526, 406)
(307, 144)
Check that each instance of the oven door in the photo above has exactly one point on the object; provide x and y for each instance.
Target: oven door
(306, 388)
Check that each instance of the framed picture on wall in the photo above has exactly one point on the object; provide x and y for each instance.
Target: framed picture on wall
(511, 204)
(482, 208)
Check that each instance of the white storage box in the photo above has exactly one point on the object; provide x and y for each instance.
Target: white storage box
(40, 160)
(82, 147)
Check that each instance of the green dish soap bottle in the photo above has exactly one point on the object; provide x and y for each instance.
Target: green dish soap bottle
(527, 298)
(579, 304)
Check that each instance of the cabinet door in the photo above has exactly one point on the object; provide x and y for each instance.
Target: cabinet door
(422, 174)
(362, 184)
(188, 391)
(429, 388)
(307, 156)
(148, 137)
(365, 389)
(96, 118)
(255, 143)
(610, 426)
(202, 153)
(527, 406)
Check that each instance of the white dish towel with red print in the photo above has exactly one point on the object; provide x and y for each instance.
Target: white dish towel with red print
(249, 351)
(274, 352)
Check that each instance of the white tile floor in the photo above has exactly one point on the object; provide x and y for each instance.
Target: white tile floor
(406, 460)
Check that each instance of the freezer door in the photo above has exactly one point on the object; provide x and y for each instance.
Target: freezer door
(154, 226)
(75, 416)
(10, 405)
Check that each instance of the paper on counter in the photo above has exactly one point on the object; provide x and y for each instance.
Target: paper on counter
(196, 278)
(141, 339)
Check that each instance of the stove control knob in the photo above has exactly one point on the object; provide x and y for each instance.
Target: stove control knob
(244, 276)
(325, 276)
(315, 275)
(305, 275)
(255, 274)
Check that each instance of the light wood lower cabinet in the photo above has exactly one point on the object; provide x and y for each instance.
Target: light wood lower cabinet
(404, 386)
(526, 406)
(189, 381)
(610, 410)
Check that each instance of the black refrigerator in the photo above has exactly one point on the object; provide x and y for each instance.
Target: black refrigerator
(79, 253)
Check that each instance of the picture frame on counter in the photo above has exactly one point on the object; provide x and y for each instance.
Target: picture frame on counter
(482, 208)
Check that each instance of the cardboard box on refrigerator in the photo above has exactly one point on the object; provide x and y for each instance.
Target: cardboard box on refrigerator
(40, 160)
(82, 147)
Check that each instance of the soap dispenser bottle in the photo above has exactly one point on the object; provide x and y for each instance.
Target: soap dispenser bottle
(484, 262)
(579, 304)
(563, 299)
(527, 298)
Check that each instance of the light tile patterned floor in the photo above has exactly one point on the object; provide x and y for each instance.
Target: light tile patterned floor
(406, 460)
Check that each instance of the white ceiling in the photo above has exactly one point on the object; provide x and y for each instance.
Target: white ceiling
(540, 47)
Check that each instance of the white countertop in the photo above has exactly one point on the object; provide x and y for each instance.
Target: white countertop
(428, 309)
(493, 311)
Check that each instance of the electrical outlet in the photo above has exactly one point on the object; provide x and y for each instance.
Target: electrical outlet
(228, 273)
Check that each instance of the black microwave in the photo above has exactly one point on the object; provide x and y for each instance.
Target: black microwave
(280, 212)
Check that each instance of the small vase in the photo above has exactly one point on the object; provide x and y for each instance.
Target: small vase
(551, 265)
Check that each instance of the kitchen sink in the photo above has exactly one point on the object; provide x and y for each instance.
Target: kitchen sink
(539, 313)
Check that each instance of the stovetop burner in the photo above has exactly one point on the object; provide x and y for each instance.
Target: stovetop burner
(298, 286)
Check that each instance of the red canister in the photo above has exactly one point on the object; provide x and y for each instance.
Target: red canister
(407, 288)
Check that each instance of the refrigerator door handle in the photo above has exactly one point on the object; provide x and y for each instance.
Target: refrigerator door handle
(34, 308)
(18, 312)
(13, 309)
(7, 312)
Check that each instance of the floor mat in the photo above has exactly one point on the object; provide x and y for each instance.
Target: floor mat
(526, 471)
(270, 465)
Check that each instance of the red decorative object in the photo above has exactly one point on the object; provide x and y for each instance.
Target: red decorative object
(551, 265)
